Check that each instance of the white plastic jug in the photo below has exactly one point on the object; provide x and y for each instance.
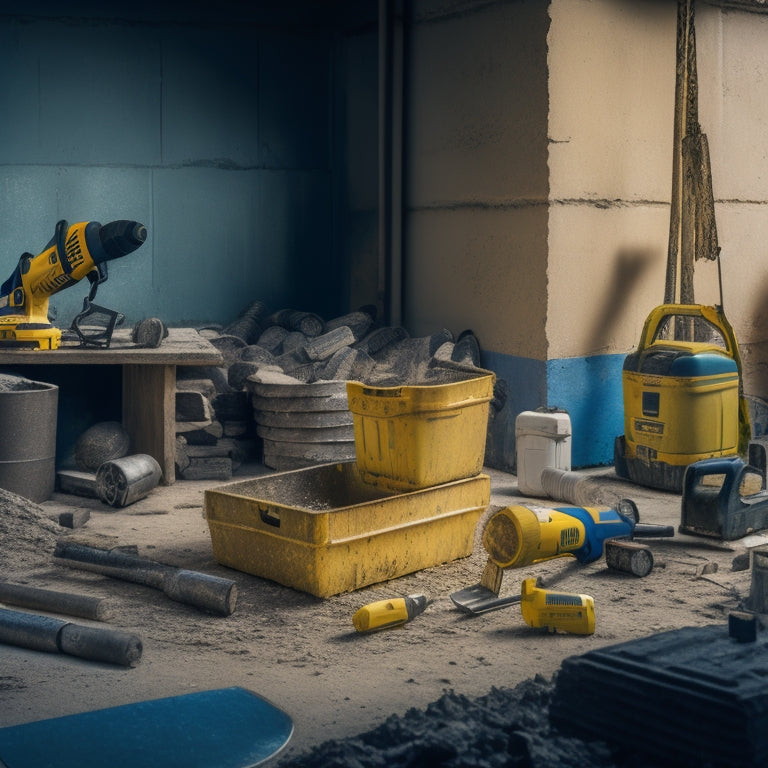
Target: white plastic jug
(542, 440)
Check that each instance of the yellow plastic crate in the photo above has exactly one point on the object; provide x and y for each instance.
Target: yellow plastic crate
(323, 530)
(411, 437)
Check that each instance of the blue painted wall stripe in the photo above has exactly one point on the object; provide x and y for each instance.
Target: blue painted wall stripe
(588, 388)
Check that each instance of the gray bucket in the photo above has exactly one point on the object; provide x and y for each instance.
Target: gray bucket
(28, 411)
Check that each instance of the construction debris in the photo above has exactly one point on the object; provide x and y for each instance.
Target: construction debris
(102, 442)
(33, 534)
(249, 409)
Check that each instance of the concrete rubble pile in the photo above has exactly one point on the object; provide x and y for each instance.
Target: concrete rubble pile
(280, 396)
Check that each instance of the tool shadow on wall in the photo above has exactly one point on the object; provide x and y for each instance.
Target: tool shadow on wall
(630, 268)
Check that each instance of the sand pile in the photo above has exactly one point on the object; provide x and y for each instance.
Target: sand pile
(27, 535)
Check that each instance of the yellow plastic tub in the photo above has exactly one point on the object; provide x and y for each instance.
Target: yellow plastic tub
(411, 437)
(323, 530)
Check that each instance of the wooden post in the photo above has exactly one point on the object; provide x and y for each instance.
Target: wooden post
(149, 413)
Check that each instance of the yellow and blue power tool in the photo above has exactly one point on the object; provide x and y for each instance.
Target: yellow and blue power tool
(683, 396)
(517, 536)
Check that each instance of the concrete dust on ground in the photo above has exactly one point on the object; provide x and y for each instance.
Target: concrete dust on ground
(446, 684)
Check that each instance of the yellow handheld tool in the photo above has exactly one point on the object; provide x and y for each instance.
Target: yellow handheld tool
(385, 614)
(557, 610)
(73, 253)
(517, 536)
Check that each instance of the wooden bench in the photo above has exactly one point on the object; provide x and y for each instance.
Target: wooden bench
(149, 382)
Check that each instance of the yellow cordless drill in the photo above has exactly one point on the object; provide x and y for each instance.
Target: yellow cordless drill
(74, 252)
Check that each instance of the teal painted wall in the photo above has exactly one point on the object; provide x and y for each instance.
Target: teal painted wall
(214, 128)
(588, 388)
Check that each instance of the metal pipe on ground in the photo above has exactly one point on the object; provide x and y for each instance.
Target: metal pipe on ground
(576, 488)
(44, 633)
(53, 601)
(201, 590)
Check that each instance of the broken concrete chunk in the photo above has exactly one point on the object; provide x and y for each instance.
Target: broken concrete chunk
(236, 428)
(75, 518)
(229, 346)
(294, 342)
(358, 322)
(204, 386)
(272, 376)
(272, 338)
(77, 482)
(149, 333)
(308, 323)
(239, 372)
(102, 442)
(230, 406)
(218, 468)
(322, 347)
(182, 457)
(201, 434)
(255, 353)
(192, 406)
(247, 325)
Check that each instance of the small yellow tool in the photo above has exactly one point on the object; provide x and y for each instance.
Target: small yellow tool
(385, 614)
(557, 610)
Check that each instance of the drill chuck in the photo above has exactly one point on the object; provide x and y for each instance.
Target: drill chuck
(114, 240)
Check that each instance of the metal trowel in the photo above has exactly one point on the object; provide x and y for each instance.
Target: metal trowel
(484, 596)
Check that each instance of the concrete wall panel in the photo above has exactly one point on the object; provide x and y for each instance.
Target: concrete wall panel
(606, 272)
(477, 104)
(611, 96)
(733, 109)
(61, 83)
(226, 234)
(476, 173)
(478, 269)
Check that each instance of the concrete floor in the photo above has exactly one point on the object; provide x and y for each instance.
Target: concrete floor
(301, 653)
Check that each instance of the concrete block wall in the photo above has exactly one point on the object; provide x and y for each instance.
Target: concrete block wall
(215, 129)
(539, 180)
(537, 144)
(476, 190)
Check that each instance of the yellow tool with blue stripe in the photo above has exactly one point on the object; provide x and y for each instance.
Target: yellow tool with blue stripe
(74, 252)
(683, 396)
(517, 536)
